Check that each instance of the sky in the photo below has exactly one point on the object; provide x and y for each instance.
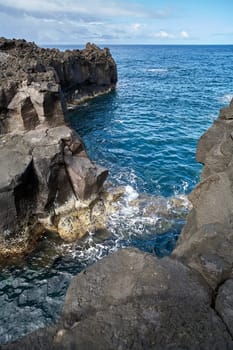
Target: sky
(118, 21)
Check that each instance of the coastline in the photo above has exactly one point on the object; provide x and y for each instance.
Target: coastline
(194, 282)
(125, 300)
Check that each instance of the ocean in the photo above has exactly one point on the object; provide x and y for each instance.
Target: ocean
(145, 132)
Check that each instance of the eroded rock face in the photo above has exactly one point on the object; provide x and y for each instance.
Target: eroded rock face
(47, 181)
(206, 243)
(36, 83)
(132, 300)
(36, 182)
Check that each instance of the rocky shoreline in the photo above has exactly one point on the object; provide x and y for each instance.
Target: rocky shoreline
(47, 181)
(131, 299)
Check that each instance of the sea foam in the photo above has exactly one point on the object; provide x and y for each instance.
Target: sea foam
(226, 98)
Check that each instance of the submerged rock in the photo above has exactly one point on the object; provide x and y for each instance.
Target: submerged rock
(133, 300)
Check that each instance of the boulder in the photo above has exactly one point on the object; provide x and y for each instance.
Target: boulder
(224, 304)
(133, 300)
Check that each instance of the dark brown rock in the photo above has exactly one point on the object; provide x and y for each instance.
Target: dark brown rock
(208, 250)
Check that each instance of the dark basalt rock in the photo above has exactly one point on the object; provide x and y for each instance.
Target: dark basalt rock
(36, 83)
(45, 170)
(206, 242)
(36, 180)
(133, 300)
(224, 303)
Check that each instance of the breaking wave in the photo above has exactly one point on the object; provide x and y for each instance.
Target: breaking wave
(226, 98)
(157, 70)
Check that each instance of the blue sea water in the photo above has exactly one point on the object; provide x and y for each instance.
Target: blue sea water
(145, 133)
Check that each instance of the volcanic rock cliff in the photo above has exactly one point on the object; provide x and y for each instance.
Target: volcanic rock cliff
(133, 300)
(36, 83)
(46, 176)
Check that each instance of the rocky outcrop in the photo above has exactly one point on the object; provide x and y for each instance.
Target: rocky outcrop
(132, 300)
(37, 83)
(206, 243)
(46, 176)
(47, 181)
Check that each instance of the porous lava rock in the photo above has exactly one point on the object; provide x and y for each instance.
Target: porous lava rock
(37, 83)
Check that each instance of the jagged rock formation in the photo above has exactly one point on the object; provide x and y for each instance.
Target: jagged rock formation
(36, 83)
(206, 243)
(44, 173)
(46, 177)
(132, 300)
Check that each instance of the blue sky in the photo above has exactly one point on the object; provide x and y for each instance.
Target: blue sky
(118, 21)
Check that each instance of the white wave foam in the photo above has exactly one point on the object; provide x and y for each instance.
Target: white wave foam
(226, 98)
(130, 193)
(138, 215)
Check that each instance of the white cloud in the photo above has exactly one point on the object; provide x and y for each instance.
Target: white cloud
(164, 35)
(78, 21)
(136, 26)
(102, 8)
(184, 34)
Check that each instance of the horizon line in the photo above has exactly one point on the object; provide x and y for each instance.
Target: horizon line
(147, 44)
